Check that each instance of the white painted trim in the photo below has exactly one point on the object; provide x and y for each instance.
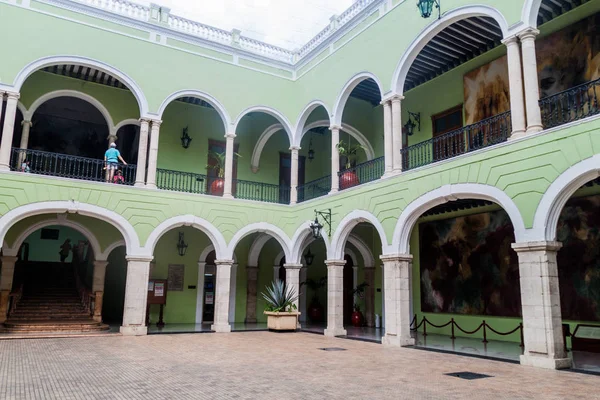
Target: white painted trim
(217, 105)
(74, 207)
(232, 292)
(560, 191)
(410, 215)
(363, 249)
(205, 253)
(86, 62)
(430, 31)
(338, 243)
(23, 110)
(262, 227)
(256, 248)
(111, 247)
(287, 126)
(529, 14)
(299, 242)
(203, 225)
(352, 255)
(78, 95)
(200, 292)
(342, 98)
(278, 258)
(125, 122)
(299, 129)
(261, 143)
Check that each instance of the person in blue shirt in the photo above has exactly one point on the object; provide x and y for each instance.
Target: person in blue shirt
(112, 158)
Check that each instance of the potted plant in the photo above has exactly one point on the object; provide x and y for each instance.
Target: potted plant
(315, 309)
(348, 178)
(218, 184)
(358, 295)
(281, 312)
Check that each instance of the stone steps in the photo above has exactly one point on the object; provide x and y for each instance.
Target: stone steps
(75, 326)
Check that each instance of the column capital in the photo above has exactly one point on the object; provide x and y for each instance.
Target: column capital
(296, 148)
(100, 263)
(335, 263)
(391, 97)
(224, 262)
(13, 95)
(230, 135)
(543, 245)
(510, 40)
(397, 98)
(26, 122)
(292, 266)
(369, 266)
(251, 266)
(155, 122)
(146, 120)
(528, 34)
(202, 263)
(332, 127)
(147, 259)
(396, 257)
(9, 259)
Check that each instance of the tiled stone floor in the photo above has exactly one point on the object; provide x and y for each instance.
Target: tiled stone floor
(262, 365)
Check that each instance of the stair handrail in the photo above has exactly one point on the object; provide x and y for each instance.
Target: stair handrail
(14, 298)
(86, 296)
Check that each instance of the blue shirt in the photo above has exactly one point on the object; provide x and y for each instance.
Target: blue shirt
(112, 155)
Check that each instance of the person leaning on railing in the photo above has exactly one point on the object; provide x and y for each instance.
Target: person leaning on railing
(112, 156)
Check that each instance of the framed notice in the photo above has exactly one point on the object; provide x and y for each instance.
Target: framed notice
(175, 278)
(210, 298)
(159, 289)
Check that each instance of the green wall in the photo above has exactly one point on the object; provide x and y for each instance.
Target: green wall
(47, 250)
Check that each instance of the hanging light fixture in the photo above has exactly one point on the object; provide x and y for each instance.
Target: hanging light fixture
(411, 125)
(185, 138)
(311, 152)
(181, 245)
(426, 7)
(316, 226)
(309, 257)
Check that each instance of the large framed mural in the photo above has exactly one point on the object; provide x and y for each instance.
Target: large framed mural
(579, 259)
(486, 91)
(468, 266)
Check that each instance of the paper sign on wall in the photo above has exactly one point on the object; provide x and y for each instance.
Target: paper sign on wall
(151, 286)
(159, 289)
(210, 298)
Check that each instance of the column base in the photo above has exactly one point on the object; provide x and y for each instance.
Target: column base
(333, 332)
(250, 321)
(534, 129)
(134, 330)
(543, 361)
(4, 168)
(98, 318)
(221, 328)
(397, 341)
(139, 184)
(151, 186)
(227, 196)
(517, 135)
(332, 191)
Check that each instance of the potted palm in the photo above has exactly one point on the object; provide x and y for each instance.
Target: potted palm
(281, 312)
(315, 309)
(348, 151)
(358, 295)
(217, 186)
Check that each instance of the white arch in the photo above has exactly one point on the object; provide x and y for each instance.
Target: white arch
(129, 121)
(261, 143)
(74, 207)
(560, 191)
(272, 112)
(76, 94)
(111, 247)
(529, 14)
(338, 243)
(200, 95)
(299, 130)
(363, 249)
(413, 50)
(207, 250)
(94, 244)
(203, 225)
(262, 227)
(410, 215)
(256, 248)
(85, 62)
(349, 252)
(302, 238)
(340, 103)
(278, 258)
(21, 107)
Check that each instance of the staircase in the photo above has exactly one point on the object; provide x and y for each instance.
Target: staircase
(50, 303)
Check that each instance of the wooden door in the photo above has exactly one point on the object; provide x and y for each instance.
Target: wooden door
(445, 146)
(348, 288)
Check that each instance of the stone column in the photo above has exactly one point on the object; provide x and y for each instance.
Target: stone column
(8, 129)
(6, 281)
(335, 159)
(200, 295)
(98, 287)
(251, 293)
(303, 293)
(515, 78)
(294, 177)
(153, 154)
(140, 173)
(276, 272)
(232, 292)
(25, 127)
(229, 150)
(335, 298)
(370, 296)
(136, 295)
(112, 138)
(388, 137)
(540, 299)
(530, 81)
(222, 288)
(397, 132)
(292, 280)
(397, 299)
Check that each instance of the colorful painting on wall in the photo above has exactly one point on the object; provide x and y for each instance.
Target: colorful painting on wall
(486, 91)
(579, 259)
(468, 266)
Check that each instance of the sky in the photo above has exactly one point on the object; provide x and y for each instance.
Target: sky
(286, 23)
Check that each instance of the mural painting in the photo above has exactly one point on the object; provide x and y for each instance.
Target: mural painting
(486, 91)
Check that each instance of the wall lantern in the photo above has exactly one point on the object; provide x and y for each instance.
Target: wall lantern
(411, 125)
(316, 227)
(185, 138)
(426, 7)
(181, 245)
(309, 257)
(311, 152)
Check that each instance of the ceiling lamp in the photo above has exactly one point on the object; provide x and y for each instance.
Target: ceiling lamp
(309, 257)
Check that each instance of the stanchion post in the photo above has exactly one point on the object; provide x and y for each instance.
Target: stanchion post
(484, 332)
(452, 325)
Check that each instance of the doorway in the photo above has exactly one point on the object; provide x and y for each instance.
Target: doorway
(348, 289)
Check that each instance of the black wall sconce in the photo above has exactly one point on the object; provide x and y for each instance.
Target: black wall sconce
(414, 121)
(426, 7)
(181, 245)
(185, 138)
(311, 152)
(309, 257)
(316, 227)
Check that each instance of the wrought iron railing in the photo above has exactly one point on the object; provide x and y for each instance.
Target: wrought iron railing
(189, 182)
(313, 189)
(259, 191)
(67, 166)
(570, 105)
(484, 133)
(362, 173)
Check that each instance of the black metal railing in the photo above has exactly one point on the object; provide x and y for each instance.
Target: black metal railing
(189, 182)
(484, 133)
(313, 189)
(362, 173)
(68, 166)
(570, 105)
(259, 191)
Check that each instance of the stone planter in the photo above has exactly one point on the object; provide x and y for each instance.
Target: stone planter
(282, 321)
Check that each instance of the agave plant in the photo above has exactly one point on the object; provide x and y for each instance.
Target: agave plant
(348, 150)
(219, 165)
(280, 297)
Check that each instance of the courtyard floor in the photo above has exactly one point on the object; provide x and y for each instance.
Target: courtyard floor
(262, 365)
